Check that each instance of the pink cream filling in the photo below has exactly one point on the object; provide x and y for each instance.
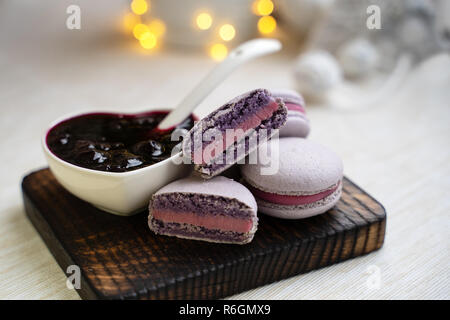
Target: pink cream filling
(210, 222)
(291, 200)
(217, 147)
(295, 107)
(258, 117)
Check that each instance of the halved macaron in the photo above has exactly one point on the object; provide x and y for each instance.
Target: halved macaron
(215, 210)
(228, 134)
(308, 180)
(297, 124)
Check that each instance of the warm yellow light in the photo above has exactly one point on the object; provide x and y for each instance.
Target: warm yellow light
(139, 6)
(255, 7)
(148, 41)
(157, 27)
(218, 51)
(129, 21)
(227, 32)
(204, 21)
(140, 30)
(267, 24)
(262, 7)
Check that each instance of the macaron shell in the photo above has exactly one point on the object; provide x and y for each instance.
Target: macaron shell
(300, 212)
(304, 167)
(289, 96)
(217, 186)
(255, 112)
(297, 125)
(206, 173)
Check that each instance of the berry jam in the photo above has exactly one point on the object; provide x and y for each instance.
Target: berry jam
(112, 142)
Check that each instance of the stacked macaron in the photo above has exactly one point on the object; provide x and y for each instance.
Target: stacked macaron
(307, 180)
(297, 124)
(212, 208)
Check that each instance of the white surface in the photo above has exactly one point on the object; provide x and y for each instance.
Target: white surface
(399, 151)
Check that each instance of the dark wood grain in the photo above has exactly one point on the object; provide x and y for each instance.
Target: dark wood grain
(120, 258)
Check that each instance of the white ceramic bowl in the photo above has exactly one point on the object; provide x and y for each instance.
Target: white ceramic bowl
(121, 193)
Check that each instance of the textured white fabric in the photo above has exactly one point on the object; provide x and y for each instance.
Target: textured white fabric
(399, 151)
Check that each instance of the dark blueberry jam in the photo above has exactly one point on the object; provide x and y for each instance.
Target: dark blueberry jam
(111, 142)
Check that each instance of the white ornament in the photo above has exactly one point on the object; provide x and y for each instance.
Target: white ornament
(357, 57)
(317, 72)
(302, 16)
(413, 31)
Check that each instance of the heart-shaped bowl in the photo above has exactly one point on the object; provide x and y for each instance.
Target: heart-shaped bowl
(121, 193)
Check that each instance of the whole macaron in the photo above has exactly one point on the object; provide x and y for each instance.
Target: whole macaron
(297, 124)
(306, 179)
(215, 210)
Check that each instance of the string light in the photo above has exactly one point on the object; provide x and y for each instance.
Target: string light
(267, 24)
(227, 32)
(218, 51)
(262, 7)
(129, 21)
(148, 41)
(204, 21)
(140, 30)
(149, 35)
(157, 27)
(139, 6)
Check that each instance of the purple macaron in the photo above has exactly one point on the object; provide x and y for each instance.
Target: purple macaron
(215, 210)
(228, 134)
(306, 181)
(297, 124)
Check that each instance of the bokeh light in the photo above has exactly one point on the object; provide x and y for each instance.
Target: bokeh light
(139, 6)
(148, 41)
(140, 30)
(267, 24)
(218, 51)
(204, 21)
(129, 21)
(262, 7)
(157, 27)
(227, 32)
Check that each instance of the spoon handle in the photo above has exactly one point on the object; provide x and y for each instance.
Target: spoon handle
(246, 51)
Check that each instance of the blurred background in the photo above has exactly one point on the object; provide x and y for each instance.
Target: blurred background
(328, 44)
(375, 75)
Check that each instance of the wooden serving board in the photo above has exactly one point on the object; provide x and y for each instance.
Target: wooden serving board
(120, 258)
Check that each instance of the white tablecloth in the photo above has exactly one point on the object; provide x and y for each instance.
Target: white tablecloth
(398, 151)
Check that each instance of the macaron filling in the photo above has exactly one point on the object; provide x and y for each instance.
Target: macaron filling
(259, 116)
(222, 161)
(292, 200)
(253, 116)
(213, 149)
(202, 216)
(219, 222)
(295, 107)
